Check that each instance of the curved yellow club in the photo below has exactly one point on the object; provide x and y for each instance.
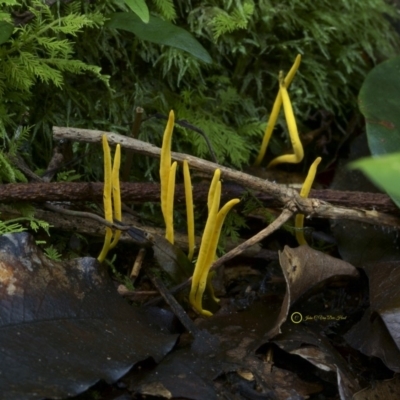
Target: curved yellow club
(305, 191)
(275, 111)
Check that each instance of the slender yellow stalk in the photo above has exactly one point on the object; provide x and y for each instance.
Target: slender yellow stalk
(209, 243)
(165, 160)
(169, 210)
(211, 192)
(292, 72)
(305, 191)
(196, 294)
(211, 254)
(293, 132)
(107, 201)
(275, 112)
(205, 241)
(189, 208)
(116, 193)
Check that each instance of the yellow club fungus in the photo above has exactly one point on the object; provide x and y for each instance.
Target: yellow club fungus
(292, 128)
(116, 193)
(305, 191)
(189, 208)
(209, 243)
(167, 180)
(275, 111)
(111, 191)
(169, 208)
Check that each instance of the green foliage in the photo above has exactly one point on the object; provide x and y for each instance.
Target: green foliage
(225, 22)
(52, 253)
(160, 32)
(15, 225)
(68, 176)
(11, 226)
(140, 8)
(165, 8)
(379, 102)
(383, 172)
(40, 51)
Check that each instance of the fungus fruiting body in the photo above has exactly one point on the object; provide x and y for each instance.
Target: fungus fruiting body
(209, 242)
(189, 208)
(167, 179)
(305, 191)
(283, 97)
(111, 194)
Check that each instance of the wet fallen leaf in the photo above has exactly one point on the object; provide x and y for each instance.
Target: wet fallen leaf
(308, 343)
(304, 269)
(230, 371)
(63, 326)
(388, 389)
(377, 334)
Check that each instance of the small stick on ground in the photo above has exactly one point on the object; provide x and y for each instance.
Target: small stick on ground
(272, 227)
(137, 265)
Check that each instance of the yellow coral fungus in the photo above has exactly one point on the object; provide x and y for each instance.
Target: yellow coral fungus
(292, 128)
(116, 193)
(189, 208)
(111, 190)
(305, 191)
(275, 111)
(209, 243)
(166, 178)
(169, 209)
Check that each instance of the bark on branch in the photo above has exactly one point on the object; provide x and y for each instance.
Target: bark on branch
(287, 197)
(142, 192)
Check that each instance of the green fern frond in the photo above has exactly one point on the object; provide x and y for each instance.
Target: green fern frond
(165, 8)
(52, 253)
(10, 227)
(225, 22)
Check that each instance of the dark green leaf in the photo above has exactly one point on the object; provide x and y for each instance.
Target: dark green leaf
(383, 172)
(6, 31)
(379, 101)
(160, 32)
(140, 8)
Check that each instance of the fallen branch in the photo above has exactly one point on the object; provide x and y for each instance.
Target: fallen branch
(132, 192)
(286, 196)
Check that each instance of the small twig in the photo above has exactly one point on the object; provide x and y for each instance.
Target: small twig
(137, 265)
(272, 227)
(141, 237)
(171, 301)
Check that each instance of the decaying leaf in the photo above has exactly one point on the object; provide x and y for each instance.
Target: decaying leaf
(304, 269)
(378, 333)
(230, 371)
(388, 389)
(63, 326)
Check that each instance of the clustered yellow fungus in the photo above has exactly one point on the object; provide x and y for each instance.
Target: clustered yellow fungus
(215, 220)
(283, 97)
(167, 179)
(305, 191)
(111, 196)
(209, 242)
